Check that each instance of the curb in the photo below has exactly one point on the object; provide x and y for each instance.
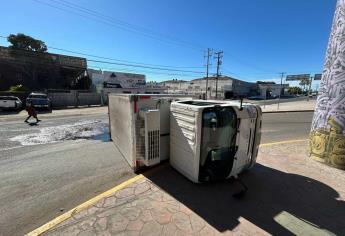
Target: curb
(51, 224)
(284, 142)
(82, 206)
(286, 111)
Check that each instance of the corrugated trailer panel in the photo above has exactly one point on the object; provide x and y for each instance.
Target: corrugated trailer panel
(122, 125)
(127, 126)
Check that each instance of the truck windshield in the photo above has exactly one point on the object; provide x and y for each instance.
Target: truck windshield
(219, 129)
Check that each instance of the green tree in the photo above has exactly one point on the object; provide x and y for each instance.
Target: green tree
(18, 88)
(25, 42)
(295, 90)
(30, 55)
(304, 83)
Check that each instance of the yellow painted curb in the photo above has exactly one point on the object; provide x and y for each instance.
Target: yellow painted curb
(82, 206)
(110, 192)
(283, 142)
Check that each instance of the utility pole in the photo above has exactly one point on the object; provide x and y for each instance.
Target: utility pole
(209, 54)
(309, 90)
(281, 86)
(218, 56)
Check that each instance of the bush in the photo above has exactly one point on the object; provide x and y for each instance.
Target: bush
(18, 88)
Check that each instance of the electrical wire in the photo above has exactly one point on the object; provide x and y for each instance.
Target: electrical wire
(118, 63)
(96, 13)
(47, 62)
(114, 59)
(110, 21)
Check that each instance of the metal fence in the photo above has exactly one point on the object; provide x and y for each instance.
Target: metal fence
(73, 98)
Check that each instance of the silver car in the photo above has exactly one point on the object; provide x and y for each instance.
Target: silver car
(10, 103)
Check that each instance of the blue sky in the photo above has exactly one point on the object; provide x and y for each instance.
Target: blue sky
(260, 38)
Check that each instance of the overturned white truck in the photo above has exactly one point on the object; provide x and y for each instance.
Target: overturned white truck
(204, 140)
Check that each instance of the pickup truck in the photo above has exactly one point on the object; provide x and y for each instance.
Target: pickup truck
(39, 100)
(10, 103)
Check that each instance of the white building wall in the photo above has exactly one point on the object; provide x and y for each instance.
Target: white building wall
(198, 87)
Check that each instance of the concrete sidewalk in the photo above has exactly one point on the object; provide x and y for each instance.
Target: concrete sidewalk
(12, 116)
(288, 194)
(290, 106)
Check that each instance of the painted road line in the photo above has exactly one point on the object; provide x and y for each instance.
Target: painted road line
(283, 142)
(82, 206)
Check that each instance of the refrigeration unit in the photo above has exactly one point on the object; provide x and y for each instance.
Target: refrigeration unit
(213, 140)
(140, 127)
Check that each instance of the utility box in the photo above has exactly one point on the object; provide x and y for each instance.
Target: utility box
(152, 137)
(140, 127)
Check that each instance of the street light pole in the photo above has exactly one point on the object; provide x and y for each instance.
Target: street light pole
(281, 87)
(209, 54)
(219, 62)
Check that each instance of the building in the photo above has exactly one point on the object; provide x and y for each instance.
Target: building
(271, 89)
(106, 82)
(116, 80)
(197, 87)
(39, 71)
(227, 88)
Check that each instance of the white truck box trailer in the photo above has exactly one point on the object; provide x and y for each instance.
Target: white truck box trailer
(140, 126)
(205, 140)
(213, 140)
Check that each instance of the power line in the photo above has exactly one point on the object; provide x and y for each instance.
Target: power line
(139, 64)
(96, 16)
(29, 54)
(113, 59)
(141, 71)
(148, 67)
(166, 68)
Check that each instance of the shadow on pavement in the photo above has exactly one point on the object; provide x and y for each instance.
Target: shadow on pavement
(104, 137)
(9, 112)
(271, 193)
(43, 111)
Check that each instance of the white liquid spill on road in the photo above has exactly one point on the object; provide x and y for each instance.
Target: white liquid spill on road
(79, 130)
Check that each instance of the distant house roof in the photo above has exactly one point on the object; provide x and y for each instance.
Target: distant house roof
(266, 82)
(214, 78)
(174, 81)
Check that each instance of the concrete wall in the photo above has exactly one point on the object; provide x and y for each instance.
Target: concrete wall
(73, 98)
(88, 99)
(144, 90)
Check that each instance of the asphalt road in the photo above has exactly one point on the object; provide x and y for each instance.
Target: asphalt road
(39, 182)
(50, 168)
(278, 127)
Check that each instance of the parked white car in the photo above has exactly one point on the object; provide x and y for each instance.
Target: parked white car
(10, 103)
